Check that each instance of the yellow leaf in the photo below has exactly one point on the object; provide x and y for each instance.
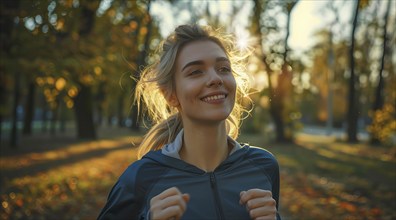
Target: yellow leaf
(60, 84)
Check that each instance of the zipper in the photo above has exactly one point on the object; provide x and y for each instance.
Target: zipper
(216, 195)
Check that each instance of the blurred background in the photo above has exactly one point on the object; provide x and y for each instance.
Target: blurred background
(323, 77)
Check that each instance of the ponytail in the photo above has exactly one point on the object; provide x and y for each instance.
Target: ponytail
(161, 134)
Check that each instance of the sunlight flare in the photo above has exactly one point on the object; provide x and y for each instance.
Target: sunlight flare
(243, 39)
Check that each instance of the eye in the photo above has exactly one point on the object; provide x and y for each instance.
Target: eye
(224, 69)
(195, 72)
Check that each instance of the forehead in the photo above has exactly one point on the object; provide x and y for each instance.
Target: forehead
(199, 50)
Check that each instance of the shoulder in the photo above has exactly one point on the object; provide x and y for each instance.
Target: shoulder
(258, 155)
(254, 151)
(264, 160)
(127, 195)
(136, 173)
(128, 177)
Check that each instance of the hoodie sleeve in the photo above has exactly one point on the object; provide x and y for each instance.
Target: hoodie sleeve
(122, 202)
(275, 184)
(269, 164)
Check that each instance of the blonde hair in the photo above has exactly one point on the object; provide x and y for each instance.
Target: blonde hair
(157, 82)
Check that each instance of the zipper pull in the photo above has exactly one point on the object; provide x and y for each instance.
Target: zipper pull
(212, 180)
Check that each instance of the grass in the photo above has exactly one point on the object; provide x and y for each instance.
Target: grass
(321, 178)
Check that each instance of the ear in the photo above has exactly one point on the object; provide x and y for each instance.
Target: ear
(171, 98)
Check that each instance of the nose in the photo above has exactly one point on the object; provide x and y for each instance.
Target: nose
(214, 79)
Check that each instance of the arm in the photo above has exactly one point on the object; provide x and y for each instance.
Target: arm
(121, 204)
(275, 185)
(125, 201)
(266, 202)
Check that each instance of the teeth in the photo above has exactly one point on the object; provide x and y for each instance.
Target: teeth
(215, 97)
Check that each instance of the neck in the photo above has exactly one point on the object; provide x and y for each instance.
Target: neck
(205, 146)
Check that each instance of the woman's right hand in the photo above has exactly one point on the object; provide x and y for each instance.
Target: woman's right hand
(170, 204)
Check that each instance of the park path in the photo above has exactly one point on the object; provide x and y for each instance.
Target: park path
(60, 177)
(42, 152)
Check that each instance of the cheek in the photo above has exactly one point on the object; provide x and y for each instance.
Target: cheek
(231, 84)
(185, 93)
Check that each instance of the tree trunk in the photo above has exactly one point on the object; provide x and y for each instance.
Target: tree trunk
(353, 115)
(83, 102)
(289, 8)
(83, 109)
(120, 110)
(276, 94)
(54, 118)
(7, 14)
(379, 91)
(3, 101)
(284, 87)
(277, 118)
(44, 114)
(62, 117)
(29, 109)
(14, 128)
(274, 104)
(100, 97)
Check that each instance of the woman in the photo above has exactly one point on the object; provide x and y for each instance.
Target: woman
(190, 166)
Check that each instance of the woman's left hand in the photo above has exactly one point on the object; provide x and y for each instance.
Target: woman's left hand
(259, 203)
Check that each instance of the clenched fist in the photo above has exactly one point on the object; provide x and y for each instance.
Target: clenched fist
(259, 203)
(170, 204)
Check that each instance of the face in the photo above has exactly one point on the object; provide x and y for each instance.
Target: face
(205, 85)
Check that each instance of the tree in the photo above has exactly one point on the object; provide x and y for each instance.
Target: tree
(29, 108)
(379, 91)
(352, 115)
(83, 100)
(8, 10)
(330, 72)
(77, 55)
(275, 60)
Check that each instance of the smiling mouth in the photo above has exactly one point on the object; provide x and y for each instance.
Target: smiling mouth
(214, 98)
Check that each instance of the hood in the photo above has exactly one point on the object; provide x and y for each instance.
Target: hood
(172, 149)
(169, 155)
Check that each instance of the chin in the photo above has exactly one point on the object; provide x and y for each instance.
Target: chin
(218, 117)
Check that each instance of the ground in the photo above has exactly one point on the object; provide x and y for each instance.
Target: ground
(60, 177)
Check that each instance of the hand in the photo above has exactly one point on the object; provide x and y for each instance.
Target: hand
(259, 203)
(170, 204)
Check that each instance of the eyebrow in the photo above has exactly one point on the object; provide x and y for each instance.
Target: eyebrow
(200, 62)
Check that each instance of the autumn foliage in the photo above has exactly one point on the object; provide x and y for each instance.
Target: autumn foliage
(384, 124)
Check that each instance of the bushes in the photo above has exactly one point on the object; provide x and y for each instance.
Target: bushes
(383, 126)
